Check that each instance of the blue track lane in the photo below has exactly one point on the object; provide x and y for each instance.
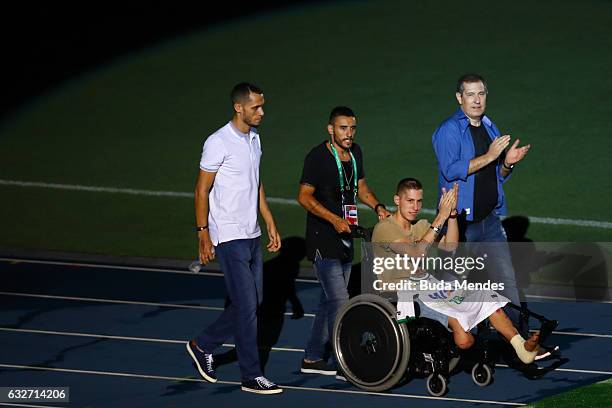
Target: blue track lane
(153, 336)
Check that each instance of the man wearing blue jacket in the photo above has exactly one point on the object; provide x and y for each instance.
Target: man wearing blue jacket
(472, 153)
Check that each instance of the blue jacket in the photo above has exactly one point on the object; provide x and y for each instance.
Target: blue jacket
(454, 148)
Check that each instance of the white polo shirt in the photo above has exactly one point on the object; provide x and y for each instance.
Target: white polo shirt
(234, 199)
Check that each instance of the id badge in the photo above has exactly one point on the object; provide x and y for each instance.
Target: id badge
(350, 214)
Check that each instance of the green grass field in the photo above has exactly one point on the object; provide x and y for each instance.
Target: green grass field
(592, 396)
(140, 121)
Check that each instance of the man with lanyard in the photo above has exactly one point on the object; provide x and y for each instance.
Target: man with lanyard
(227, 196)
(472, 153)
(332, 180)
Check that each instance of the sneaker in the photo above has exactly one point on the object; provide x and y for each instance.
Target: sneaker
(340, 375)
(317, 367)
(203, 361)
(545, 352)
(261, 385)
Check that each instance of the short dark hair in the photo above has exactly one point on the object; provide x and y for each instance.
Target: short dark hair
(469, 78)
(240, 92)
(340, 111)
(408, 183)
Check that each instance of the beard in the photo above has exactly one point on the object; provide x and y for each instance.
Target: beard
(252, 122)
(343, 141)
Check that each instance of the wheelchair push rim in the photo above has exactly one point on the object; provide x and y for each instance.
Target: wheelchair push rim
(371, 347)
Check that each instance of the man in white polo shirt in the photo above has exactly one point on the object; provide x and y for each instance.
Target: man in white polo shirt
(227, 196)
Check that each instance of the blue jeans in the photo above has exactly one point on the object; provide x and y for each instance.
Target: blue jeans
(334, 277)
(242, 266)
(488, 237)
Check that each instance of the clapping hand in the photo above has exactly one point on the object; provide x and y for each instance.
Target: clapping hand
(515, 154)
(448, 201)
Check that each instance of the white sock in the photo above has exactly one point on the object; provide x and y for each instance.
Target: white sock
(527, 357)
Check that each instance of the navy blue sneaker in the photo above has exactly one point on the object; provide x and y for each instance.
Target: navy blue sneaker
(317, 367)
(203, 361)
(340, 375)
(261, 385)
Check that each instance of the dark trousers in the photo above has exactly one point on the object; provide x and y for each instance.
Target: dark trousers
(488, 237)
(242, 265)
(334, 278)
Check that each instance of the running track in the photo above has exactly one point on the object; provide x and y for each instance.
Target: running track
(115, 336)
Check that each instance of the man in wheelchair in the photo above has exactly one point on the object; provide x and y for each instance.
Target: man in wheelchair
(457, 309)
(372, 346)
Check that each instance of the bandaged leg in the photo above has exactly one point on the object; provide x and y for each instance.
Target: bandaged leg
(526, 350)
(522, 348)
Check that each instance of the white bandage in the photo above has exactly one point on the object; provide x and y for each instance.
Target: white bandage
(527, 357)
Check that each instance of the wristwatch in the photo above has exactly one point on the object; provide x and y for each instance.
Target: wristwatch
(436, 229)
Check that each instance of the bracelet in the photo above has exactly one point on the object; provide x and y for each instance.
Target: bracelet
(379, 205)
(507, 167)
(198, 229)
(453, 216)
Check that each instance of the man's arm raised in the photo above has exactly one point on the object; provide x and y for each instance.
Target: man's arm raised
(514, 155)
(496, 147)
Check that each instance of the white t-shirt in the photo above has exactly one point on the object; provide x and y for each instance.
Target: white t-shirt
(233, 200)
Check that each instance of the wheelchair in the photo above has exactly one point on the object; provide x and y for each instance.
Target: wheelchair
(376, 352)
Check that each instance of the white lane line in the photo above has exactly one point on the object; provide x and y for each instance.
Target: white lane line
(286, 387)
(95, 189)
(566, 299)
(123, 302)
(573, 370)
(112, 301)
(603, 336)
(111, 337)
(210, 308)
(568, 370)
(213, 274)
(275, 200)
(169, 341)
(126, 268)
(105, 266)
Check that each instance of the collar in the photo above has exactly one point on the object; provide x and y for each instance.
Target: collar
(464, 121)
(250, 136)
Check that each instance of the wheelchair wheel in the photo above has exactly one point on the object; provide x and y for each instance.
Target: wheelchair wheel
(437, 385)
(371, 347)
(482, 375)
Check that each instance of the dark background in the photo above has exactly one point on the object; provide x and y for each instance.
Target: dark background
(44, 45)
